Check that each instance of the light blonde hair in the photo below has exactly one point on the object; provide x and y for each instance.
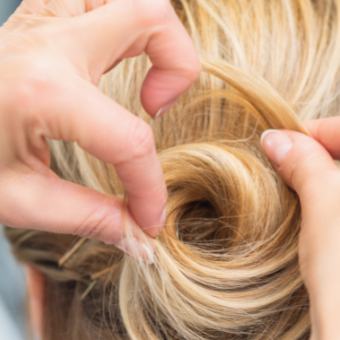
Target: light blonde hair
(227, 261)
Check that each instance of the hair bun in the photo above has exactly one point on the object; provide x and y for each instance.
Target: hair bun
(227, 257)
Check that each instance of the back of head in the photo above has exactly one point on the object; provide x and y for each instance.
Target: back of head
(227, 262)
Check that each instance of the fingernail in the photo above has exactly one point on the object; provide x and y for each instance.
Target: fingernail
(165, 108)
(134, 248)
(265, 133)
(150, 254)
(276, 145)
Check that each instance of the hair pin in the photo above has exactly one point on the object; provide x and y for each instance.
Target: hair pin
(88, 289)
(69, 253)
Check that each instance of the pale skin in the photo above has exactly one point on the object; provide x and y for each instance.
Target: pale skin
(52, 55)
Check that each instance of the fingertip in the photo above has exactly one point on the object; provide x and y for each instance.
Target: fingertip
(134, 242)
(264, 134)
(162, 88)
(298, 158)
(276, 145)
(137, 249)
(150, 255)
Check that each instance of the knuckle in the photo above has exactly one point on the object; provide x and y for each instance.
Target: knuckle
(94, 223)
(26, 92)
(141, 140)
(296, 175)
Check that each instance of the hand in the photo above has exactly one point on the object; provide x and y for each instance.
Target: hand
(52, 55)
(306, 165)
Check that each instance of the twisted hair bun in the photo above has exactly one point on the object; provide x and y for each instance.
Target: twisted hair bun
(227, 260)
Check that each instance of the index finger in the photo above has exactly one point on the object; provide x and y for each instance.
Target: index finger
(123, 29)
(112, 134)
(175, 67)
(326, 132)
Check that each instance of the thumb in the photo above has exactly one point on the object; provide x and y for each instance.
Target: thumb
(51, 204)
(299, 159)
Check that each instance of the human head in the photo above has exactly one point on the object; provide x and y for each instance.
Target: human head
(226, 263)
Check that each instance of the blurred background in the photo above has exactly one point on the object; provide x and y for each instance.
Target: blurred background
(7, 7)
(12, 280)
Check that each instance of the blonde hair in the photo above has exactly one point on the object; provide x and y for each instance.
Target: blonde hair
(227, 261)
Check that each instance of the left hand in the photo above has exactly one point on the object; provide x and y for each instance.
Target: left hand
(52, 56)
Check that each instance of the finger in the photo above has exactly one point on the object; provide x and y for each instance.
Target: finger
(51, 204)
(326, 132)
(103, 128)
(299, 159)
(123, 29)
(175, 67)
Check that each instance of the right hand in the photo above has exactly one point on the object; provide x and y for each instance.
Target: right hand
(306, 164)
(52, 55)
